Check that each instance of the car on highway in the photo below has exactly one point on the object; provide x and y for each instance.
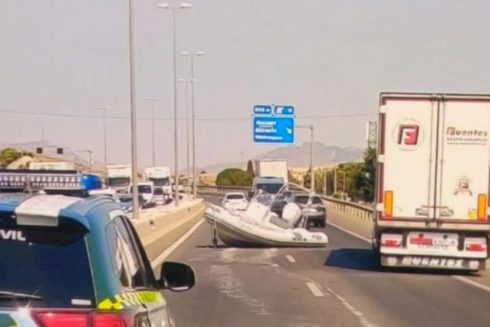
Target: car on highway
(234, 201)
(146, 191)
(67, 261)
(312, 207)
(125, 200)
(280, 202)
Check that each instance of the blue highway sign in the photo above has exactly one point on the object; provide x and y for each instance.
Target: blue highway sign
(262, 109)
(273, 129)
(284, 110)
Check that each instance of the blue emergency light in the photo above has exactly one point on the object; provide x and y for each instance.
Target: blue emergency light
(50, 181)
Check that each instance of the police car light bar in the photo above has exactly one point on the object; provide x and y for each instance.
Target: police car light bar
(31, 180)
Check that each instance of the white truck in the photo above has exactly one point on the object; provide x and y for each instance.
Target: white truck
(161, 178)
(433, 181)
(119, 177)
(53, 165)
(270, 175)
(272, 168)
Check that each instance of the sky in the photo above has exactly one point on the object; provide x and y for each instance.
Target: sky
(61, 60)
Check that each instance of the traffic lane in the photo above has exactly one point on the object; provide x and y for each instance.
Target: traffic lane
(364, 228)
(246, 286)
(349, 269)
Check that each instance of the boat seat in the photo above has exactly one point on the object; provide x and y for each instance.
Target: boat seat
(279, 222)
(257, 212)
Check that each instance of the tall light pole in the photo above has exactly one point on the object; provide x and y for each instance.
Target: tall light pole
(312, 168)
(104, 122)
(153, 100)
(192, 55)
(173, 10)
(186, 83)
(132, 96)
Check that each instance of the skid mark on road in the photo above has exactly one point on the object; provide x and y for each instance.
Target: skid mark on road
(228, 284)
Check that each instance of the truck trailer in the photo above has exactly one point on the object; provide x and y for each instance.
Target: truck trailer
(433, 181)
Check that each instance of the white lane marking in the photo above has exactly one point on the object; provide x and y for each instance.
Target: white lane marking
(471, 282)
(314, 289)
(460, 278)
(364, 321)
(350, 233)
(158, 260)
(290, 258)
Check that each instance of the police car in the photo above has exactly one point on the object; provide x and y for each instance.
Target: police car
(78, 262)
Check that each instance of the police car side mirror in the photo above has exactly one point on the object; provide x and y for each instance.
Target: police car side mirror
(176, 277)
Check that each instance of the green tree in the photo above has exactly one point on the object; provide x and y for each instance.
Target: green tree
(234, 177)
(250, 169)
(369, 174)
(9, 155)
(319, 180)
(292, 179)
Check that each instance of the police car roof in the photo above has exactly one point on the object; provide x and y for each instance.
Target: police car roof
(59, 206)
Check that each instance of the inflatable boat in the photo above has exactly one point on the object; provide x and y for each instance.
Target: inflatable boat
(257, 226)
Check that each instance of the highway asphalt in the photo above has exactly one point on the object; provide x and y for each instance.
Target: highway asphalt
(337, 286)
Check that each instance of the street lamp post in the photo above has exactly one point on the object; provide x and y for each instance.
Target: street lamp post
(186, 83)
(153, 100)
(183, 5)
(132, 96)
(104, 109)
(312, 168)
(192, 55)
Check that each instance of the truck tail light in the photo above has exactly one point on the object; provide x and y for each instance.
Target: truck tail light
(388, 204)
(482, 207)
(77, 319)
(475, 244)
(391, 240)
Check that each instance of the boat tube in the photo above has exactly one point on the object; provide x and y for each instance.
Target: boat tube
(259, 227)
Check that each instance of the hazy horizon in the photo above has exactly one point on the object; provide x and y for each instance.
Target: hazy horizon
(327, 58)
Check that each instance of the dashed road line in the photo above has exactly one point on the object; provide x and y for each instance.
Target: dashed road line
(364, 321)
(314, 289)
(290, 258)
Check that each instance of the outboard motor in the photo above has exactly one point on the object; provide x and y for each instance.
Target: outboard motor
(292, 214)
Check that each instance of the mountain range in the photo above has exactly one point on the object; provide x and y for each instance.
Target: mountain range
(299, 156)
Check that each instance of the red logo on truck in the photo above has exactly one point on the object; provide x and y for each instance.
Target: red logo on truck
(408, 135)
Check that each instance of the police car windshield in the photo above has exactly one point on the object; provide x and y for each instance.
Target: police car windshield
(35, 261)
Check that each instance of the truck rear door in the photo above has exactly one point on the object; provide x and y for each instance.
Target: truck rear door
(406, 168)
(463, 180)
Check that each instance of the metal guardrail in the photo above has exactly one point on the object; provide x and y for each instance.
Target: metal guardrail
(349, 208)
(204, 189)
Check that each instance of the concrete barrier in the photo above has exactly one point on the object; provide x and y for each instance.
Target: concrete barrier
(159, 227)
